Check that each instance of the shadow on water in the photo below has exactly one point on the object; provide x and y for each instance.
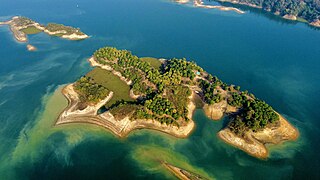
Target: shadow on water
(102, 110)
(225, 121)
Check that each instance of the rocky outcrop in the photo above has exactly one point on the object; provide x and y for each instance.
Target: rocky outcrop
(316, 23)
(290, 17)
(31, 48)
(217, 110)
(275, 135)
(246, 143)
(254, 142)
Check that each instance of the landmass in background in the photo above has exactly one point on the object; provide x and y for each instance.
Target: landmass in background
(22, 26)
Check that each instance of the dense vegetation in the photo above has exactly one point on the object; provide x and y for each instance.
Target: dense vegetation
(237, 99)
(306, 9)
(163, 90)
(90, 91)
(160, 106)
(60, 27)
(210, 92)
(124, 109)
(182, 68)
(254, 115)
(23, 21)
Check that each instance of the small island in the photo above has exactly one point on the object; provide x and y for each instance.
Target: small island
(124, 93)
(22, 26)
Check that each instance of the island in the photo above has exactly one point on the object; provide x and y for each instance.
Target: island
(22, 26)
(124, 93)
(307, 11)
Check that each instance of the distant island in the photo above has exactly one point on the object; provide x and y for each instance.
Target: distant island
(22, 26)
(124, 92)
(307, 11)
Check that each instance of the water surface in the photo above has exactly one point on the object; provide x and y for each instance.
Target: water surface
(276, 60)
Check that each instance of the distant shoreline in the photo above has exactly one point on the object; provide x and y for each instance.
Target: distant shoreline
(199, 3)
(287, 16)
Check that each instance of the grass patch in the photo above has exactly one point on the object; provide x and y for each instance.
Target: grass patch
(112, 82)
(31, 30)
(178, 95)
(58, 35)
(154, 62)
(301, 20)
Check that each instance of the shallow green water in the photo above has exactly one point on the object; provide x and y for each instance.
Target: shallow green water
(276, 60)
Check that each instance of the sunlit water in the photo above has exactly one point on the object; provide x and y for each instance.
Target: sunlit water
(277, 60)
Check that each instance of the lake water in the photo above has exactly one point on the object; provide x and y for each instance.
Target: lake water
(277, 60)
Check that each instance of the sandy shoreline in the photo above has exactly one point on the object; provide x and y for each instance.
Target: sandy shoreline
(199, 3)
(72, 36)
(175, 170)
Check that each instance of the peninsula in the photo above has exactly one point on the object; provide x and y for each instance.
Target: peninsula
(124, 92)
(22, 26)
(307, 11)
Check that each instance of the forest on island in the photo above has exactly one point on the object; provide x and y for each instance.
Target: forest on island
(308, 10)
(164, 91)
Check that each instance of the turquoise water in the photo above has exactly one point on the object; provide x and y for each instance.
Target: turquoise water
(277, 60)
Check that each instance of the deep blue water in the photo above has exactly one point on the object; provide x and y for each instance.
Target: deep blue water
(275, 59)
